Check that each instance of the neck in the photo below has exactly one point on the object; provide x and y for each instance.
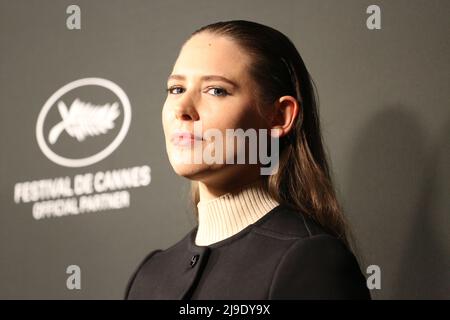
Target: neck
(225, 215)
(228, 181)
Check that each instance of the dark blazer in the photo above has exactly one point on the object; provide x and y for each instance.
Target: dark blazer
(284, 255)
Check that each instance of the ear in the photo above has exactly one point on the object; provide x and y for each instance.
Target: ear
(285, 114)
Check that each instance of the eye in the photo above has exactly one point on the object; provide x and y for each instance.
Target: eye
(222, 91)
(219, 92)
(169, 90)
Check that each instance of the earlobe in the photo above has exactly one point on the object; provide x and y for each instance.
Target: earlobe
(276, 132)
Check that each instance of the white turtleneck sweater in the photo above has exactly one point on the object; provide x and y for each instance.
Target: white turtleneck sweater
(224, 216)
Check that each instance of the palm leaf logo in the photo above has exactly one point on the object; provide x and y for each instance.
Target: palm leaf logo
(84, 119)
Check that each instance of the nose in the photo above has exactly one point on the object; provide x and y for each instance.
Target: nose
(185, 110)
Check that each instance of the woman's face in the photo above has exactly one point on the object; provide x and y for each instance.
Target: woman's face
(212, 103)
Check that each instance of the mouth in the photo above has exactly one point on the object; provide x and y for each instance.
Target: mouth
(184, 138)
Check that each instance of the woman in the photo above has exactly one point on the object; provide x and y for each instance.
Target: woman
(259, 236)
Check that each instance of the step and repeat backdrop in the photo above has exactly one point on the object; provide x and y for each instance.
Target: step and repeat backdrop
(85, 183)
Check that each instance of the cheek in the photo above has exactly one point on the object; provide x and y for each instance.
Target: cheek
(244, 118)
(165, 118)
(235, 113)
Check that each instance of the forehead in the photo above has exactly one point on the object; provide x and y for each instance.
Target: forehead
(211, 54)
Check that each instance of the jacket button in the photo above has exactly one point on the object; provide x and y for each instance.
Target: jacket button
(194, 260)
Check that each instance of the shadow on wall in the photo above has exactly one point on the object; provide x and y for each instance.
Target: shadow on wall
(397, 197)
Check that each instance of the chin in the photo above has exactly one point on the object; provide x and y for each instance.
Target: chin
(182, 162)
(198, 172)
(186, 170)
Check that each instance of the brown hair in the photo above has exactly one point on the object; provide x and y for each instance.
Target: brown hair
(303, 179)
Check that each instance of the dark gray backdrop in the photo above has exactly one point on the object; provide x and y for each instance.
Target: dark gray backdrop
(384, 98)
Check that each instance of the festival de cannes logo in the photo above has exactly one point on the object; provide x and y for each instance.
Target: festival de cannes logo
(80, 119)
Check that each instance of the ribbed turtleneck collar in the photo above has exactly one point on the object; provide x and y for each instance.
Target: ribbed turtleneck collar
(228, 214)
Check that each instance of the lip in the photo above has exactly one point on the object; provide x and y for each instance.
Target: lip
(184, 138)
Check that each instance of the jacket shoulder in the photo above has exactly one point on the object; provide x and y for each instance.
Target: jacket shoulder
(156, 261)
(315, 264)
(318, 267)
(136, 271)
(287, 223)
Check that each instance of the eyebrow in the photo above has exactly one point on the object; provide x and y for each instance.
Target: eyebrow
(205, 78)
